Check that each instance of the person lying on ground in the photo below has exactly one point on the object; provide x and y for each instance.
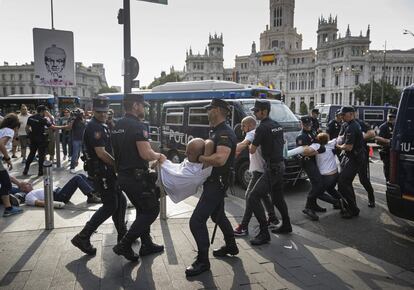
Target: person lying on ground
(61, 196)
(183, 180)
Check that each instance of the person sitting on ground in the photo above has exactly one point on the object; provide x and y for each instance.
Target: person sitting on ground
(256, 168)
(183, 180)
(61, 196)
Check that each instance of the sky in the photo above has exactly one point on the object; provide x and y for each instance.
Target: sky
(161, 34)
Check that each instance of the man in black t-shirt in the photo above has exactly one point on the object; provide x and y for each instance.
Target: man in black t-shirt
(386, 131)
(334, 126)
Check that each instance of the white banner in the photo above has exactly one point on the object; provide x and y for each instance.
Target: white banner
(54, 61)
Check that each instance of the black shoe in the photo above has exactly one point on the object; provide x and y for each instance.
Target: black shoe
(197, 268)
(284, 229)
(346, 215)
(84, 244)
(371, 204)
(148, 249)
(230, 248)
(262, 238)
(122, 249)
(14, 201)
(311, 213)
(93, 199)
(317, 208)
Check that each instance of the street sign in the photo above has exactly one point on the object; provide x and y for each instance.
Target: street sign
(131, 67)
(165, 2)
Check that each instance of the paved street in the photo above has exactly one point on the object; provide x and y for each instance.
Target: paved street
(371, 252)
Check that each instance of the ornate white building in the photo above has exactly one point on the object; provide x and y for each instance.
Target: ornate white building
(18, 79)
(328, 74)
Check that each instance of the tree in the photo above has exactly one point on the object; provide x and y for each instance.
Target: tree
(164, 78)
(303, 109)
(293, 107)
(107, 90)
(391, 93)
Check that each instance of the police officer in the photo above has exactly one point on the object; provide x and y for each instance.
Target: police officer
(386, 131)
(35, 128)
(211, 202)
(364, 172)
(315, 121)
(269, 135)
(352, 148)
(306, 137)
(334, 126)
(132, 152)
(100, 165)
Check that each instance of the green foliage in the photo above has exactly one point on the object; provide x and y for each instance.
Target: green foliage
(293, 107)
(391, 93)
(164, 78)
(104, 90)
(303, 109)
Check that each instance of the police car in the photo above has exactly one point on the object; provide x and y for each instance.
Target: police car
(184, 120)
(400, 189)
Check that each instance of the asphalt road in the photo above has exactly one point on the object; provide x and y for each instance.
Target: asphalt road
(375, 231)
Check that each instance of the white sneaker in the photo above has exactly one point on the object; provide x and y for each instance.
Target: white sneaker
(72, 171)
(58, 204)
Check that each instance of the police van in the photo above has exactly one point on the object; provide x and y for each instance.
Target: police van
(373, 115)
(184, 120)
(400, 188)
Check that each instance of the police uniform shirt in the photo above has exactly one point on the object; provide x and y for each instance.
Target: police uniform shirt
(38, 123)
(353, 136)
(386, 131)
(306, 138)
(333, 129)
(223, 135)
(269, 135)
(126, 133)
(96, 135)
(315, 124)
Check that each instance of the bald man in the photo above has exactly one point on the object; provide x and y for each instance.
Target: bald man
(183, 180)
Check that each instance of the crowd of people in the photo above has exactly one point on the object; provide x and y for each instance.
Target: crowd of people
(117, 156)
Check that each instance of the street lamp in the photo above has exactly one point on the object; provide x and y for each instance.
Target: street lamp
(406, 31)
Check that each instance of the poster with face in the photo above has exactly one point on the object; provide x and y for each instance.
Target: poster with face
(54, 62)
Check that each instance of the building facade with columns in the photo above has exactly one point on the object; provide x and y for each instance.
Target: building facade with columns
(18, 79)
(328, 74)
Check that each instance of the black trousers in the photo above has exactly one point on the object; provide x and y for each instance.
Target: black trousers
(330, 193)
(113, 204)
(271, 181)
(36, 146)
(385, 157)
(364, 176)
(146, 204)
(210, 204)
(266, 200)
(315, 179)
(349, 169)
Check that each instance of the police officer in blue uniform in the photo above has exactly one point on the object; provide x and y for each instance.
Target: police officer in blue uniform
(100, 166)
(386, 131)
(269, 136)
(211, 202)
(334, 126)
(315, 121)
(306, 137)
(352, 148)
(132, 152)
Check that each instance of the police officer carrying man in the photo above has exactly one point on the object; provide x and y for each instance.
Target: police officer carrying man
(334, 126)
(100, 165)
(211, 202)
(315, 121)
(35, 129)
(132, 152)
(269, 136)
(384, 137)
(352, 148)
(306, 137)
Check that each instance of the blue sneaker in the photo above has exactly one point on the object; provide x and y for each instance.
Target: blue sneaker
(12, 211)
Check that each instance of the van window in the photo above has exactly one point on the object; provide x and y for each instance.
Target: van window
(198, 117)
(374, 115)
(174, 116)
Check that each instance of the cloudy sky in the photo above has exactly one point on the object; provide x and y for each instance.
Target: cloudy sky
(161, 34)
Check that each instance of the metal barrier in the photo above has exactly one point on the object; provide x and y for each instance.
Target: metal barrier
(48, 188)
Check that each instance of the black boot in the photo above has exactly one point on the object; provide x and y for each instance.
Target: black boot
(148, 247)
(200, 265)
(229, 248)
(285, 228)
(311, 213)
(314, 206)
(262, 238)
(124, 248)
(82, 240)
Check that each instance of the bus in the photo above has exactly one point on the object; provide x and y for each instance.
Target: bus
(13, 103)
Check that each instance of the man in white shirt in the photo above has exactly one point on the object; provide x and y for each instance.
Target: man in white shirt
(22, 134)
(256, 168)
